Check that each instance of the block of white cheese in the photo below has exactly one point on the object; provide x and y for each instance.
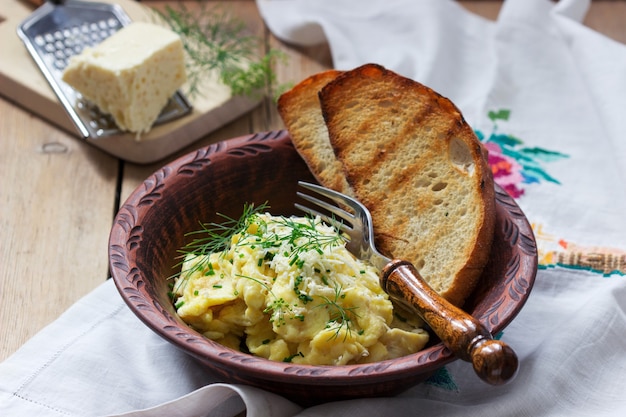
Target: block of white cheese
(130, 75)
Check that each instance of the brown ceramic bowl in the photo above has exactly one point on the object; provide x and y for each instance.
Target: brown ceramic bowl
(150, 228)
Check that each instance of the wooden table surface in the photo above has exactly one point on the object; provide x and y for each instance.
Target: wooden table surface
(58, 195)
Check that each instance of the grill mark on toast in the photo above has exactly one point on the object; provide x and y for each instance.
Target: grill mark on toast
(353, 143)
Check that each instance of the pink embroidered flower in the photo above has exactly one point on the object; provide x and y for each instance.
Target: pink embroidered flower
(507, 173)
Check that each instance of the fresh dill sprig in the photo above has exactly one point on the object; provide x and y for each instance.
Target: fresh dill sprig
(278, 305)
(215, 40)
(254, 79)
(214, 238)
(340, 316)
(289, 359)
(304, 237)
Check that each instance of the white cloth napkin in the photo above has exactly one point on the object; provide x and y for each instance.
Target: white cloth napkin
(546, 96)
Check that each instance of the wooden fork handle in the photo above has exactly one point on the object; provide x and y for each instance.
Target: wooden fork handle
(493, 360)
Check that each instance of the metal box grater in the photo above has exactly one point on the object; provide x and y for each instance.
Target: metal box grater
(60, 29)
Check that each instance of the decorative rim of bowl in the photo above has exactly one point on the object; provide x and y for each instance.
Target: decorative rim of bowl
(519, 278)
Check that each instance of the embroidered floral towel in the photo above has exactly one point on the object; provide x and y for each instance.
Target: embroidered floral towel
(546, 95)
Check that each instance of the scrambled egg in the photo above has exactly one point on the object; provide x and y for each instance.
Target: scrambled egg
(287, 289)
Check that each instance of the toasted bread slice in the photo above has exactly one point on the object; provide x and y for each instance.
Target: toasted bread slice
(300, 110)
(411, 158)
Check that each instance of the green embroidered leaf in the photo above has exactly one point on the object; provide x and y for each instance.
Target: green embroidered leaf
(544, 154)
(442, 379)
(540, 172)
(502, 114)
(504, 140)
(519, 156)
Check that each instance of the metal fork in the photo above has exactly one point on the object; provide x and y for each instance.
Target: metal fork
(493, 360)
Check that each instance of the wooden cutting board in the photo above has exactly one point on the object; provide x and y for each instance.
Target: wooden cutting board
(22, 82)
